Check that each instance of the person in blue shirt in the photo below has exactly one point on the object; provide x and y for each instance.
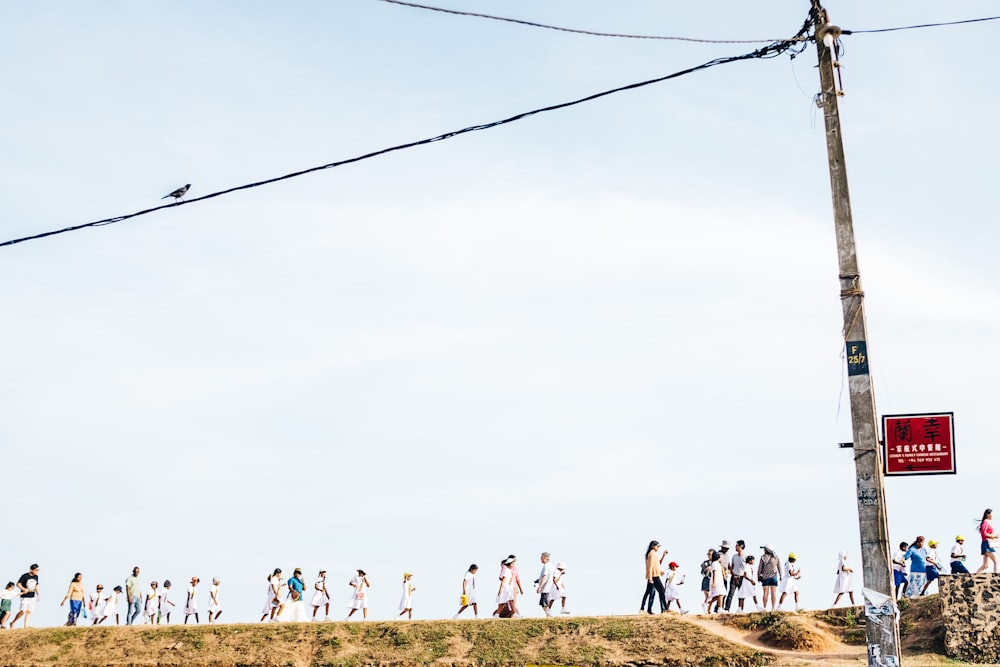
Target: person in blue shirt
(295, 610)
(918, 567)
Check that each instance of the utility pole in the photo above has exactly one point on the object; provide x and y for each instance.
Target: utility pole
(882, 628)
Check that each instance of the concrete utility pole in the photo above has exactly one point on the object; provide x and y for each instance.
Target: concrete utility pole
(882, 629)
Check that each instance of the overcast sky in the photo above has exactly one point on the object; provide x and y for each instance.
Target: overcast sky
(574, 333)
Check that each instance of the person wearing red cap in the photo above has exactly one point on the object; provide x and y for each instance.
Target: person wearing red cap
(671, 582)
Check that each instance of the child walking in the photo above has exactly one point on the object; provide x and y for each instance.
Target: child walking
(469, 598)
(670, 584)
(406, 602)
(748, 589)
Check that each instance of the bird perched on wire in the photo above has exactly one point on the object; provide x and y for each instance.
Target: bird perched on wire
(178, 193)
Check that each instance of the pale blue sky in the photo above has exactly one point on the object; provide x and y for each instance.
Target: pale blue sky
(573, 333)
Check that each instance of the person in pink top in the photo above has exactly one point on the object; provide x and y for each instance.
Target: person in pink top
(989, 545)
(515, 586)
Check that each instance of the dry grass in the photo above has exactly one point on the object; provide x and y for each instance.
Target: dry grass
(637, 641)
(573, 641)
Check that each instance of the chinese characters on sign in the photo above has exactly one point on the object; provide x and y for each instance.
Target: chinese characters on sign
(922, 444)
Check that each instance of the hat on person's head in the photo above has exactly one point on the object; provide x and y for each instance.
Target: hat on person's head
(724, 545)
(959, 538)
(118, 588)
(361, 572)
(672, 565)
(767, 547)
(407, 574)
(791, 556)
(560, 566)
(932, 543)
(297, 570)
(166, 583)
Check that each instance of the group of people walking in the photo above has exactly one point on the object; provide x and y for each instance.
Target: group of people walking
(918, 565)
(550, 587)
(153, 604)
(725, 577)
(285, 599)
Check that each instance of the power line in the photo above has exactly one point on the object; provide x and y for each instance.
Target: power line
(588, 32)
(909, 27)
(770, 51)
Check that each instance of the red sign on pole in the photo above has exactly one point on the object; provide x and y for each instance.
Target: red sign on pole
(921, 444)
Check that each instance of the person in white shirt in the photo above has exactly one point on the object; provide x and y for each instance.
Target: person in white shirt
(469, 597)
(152, 605)
(191, 604)
(790, 582)
(273, 606)
(671, 580)
(748, 589)
(560, 589)
(544, 583)
(845, 580)
(214, 605)
(95, 603)
(165, 602)
(406, 602)
(321, 597)
(958, 556)
(933, 567)
(111, 606)
(899, 570)
(359, 599)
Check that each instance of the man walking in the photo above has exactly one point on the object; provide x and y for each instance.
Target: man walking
(133, 597)
(737, 568)
(544, 582)
(28, 586)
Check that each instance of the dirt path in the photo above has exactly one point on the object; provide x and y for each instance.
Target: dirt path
(832, 654)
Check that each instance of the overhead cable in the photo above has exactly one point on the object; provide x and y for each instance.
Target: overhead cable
(911, 27)
(769, 51)
(588, 32)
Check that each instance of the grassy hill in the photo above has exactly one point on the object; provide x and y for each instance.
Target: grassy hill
(670, 640)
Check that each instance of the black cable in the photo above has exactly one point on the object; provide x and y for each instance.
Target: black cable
(583, 32)
(769, 51)
(922, 25)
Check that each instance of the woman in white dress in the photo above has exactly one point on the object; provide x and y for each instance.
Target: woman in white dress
(845, 580)
(272, 602)
(406, 602)
(505, 594)
(321, 597)
(359, 599)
